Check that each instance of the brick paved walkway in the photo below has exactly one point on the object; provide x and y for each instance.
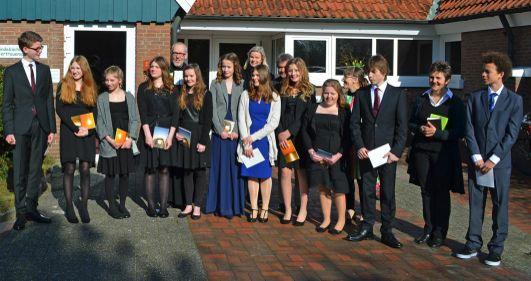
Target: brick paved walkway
(236, 249)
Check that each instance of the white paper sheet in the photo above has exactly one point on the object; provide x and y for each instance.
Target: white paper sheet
(178, 77)
(485, 179)
(376, 156)
(257, 158)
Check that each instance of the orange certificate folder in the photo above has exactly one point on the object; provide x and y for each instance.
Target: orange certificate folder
(290, 153)
(84, 120)
(120, 136)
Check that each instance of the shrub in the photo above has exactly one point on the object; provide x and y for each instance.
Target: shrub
(5, 149)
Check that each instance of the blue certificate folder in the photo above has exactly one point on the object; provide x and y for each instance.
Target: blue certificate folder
(160, 134)
(324, 154)
(187, 135)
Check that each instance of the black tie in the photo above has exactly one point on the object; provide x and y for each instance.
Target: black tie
(33, 87)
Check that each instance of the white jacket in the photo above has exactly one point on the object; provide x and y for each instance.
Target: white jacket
(244, 126)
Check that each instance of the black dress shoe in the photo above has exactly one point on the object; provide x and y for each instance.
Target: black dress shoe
(124, 211)
(38, 217)
(71, 215)
(114, 212)
(20, 223)
(252, 218)
(334, 231)
(364, 234)
(183, 214)
(195, 217)
(298, 223)
(163, 213)
(435, 242)
(423, 238)
(321, 229)
(391, 241)
(151, 212)
(84, 214)
(283, 221)
(262, 217)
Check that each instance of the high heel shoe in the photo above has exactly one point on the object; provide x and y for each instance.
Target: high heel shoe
(124, 211)
(252, 218)
(163, 213)
(261, 218)
(150, 211)
(320, 229)
(70, 215)
(83, 213)
(283, 221)
(114, 212)
(334, 231)
(298, 223)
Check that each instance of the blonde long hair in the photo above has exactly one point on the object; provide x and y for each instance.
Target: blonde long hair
(303, 86)
(89, 90)
(256, 49)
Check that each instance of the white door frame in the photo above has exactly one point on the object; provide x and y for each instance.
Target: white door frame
(228, 39)
(130, 60)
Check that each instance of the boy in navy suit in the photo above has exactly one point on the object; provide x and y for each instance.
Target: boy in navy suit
(494, 115)
(29, 124)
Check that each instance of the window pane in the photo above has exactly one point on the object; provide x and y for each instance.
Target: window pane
(384, 47)
(352, 52)
(199, 52)
(240, 49)
(453, 55)
(414, 57)
(313, 53)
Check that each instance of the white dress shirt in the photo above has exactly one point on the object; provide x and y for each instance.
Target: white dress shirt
(444, 98)
(26, 64)
(381, 91)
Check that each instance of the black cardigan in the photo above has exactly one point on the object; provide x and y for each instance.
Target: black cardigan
(454, 131)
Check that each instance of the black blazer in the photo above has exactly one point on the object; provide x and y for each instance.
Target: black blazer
(493, 133)
(389, 126)
(293, 127)
(455, 131)
(19, 100)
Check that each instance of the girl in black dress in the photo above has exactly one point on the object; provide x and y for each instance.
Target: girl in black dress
(118, 111)
(77, 95)
(193, 157)
(158, 107)
(326, 138)
(296, 92)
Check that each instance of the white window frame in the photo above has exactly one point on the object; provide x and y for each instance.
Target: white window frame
(130, 52)
(315, 78)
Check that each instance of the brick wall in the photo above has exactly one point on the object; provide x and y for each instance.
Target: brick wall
(473, 44)
(151, 40)
(53, 35)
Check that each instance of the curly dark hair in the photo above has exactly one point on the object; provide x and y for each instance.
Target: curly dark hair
(501, 61)
(443, 67)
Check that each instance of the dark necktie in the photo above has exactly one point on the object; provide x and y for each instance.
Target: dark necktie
(491, 101)
(33, 87)
(376, 105)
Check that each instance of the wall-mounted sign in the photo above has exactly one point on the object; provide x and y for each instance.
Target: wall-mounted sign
(13, 52)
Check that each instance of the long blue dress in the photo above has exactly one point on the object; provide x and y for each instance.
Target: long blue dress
(225, 188)
(259, 112)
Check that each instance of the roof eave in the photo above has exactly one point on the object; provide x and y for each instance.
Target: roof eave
(324, 20)
(482, 15)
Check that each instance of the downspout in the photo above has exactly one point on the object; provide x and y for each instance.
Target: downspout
(510, 37)
(176, 25)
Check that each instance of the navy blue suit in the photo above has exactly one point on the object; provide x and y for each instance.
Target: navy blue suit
(491, 133)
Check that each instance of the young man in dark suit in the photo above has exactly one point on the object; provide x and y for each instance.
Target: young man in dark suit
(29, 124)
(494, 115)
(379, 117)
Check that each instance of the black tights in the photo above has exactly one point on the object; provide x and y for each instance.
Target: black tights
(123, 185)
(68, 181)
(164, 187)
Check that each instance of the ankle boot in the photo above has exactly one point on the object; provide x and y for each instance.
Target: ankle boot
(113, 210)
(70, 214)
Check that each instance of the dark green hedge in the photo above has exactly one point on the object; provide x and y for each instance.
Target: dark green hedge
(5, 149)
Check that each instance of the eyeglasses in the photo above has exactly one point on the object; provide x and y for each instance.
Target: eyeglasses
(38, 49)
(178, 53)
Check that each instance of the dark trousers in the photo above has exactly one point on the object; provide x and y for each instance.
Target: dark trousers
(176, 197)
(432, 173)
(27, 168)
(387, 175)
(500, 211)
(195, 186)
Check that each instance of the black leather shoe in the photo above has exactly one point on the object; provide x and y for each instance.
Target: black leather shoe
(298, 223)
(84, 214)
(194, 217)
(283, 221)
(71, 215)
(151, 212)
(20, 223)
(262, 217)
(321, 229)
(114, 212)
(391, 241)
(38, 217)
(435, 242)
(252, 218)
(334, 231)
(423, 238)
(124, 211)
(183, 214)
(163, 213)
(364, 234)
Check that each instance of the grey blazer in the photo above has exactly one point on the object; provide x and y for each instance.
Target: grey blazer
(104, 123)
(220, 97)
